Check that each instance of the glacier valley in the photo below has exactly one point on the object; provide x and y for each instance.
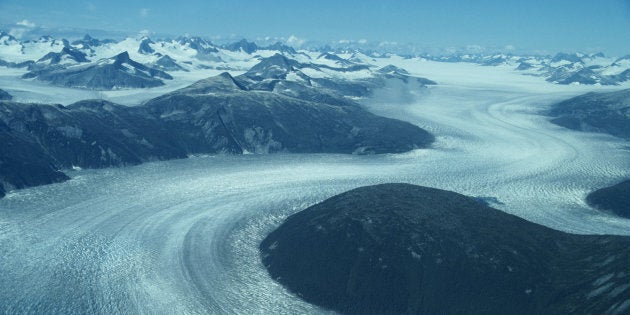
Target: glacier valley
(182, 236)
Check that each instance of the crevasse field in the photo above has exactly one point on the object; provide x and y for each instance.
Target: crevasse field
(182, 236)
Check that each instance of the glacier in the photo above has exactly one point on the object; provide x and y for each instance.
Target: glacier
(182, 236)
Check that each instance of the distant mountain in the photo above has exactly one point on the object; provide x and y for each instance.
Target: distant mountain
(88, 42)
(596, 112)
(562, 68)
(275, 67)
(565, 57)
(393, 72)
(340, 62)
(278, 46)
(584, 69)
(16, 64)
(331, 80)
(197, 53)
(615, 199)
(166, 63)
(48, 41)
(7, 39)
(623, 62)
(242, 45)
(113, 73)
(145, 46)
(202, 46)
(67, 55)
(587, 76)
(405, 249)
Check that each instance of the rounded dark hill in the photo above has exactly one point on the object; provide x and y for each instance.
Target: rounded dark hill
(399, 248)
(615, 199)
(602, 112)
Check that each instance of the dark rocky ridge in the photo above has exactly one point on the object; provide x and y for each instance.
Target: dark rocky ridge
(145, 46)
(166, 63)
(5, 96)
(215, 115)
(23, 64)
(405, 249)
(265, 119)
(600, 112)
(615, 199)
(23, 163)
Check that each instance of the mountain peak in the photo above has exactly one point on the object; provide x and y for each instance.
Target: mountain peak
(199, 44)
(6, 37)
(226, 75)
(244, 45)
(67, 51)
(391, 69)
(145, 47)
(274, 67)
(281, 47)
(88, 41)
(222, 83)
(574, 57)
(123, 57)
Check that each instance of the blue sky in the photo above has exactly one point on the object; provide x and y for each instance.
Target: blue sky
(551, 26)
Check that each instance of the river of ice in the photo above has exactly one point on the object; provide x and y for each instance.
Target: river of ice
(182, 236)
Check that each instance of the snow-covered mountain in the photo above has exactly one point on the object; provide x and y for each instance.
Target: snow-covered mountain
(180, 55)
(562, 68)
(105, 74)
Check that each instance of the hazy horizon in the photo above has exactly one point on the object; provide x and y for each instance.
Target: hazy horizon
(533, 26)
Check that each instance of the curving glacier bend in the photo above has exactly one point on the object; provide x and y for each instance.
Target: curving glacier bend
(182, 236)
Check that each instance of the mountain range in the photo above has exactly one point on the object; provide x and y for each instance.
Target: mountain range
(562, 68)
(55, 58)
(260, 111)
